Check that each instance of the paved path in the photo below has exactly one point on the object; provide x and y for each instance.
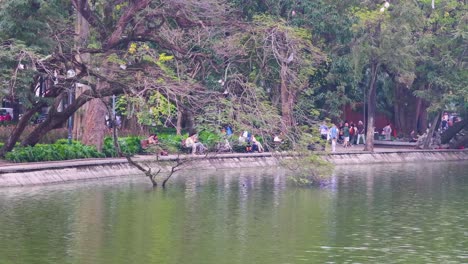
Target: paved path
(6, 166)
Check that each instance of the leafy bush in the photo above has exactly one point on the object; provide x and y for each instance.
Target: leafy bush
(128, 145)
(308, 170)
(238, 148)
(61, 150)
(209, 139)
(170, 141)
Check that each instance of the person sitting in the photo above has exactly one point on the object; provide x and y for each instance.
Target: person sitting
(224, 146)
(228, 131)
(256, 146)
(151, 144)
(277, 139)
(413, 136)
(323, 130)
(242, 139)
(197, 147)
(153, 139)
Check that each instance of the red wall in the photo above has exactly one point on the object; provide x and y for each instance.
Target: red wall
(355, 115)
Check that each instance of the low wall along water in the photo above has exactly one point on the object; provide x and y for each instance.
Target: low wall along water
(78, 170)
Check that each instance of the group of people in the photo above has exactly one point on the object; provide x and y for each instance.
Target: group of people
(250, 142)
(192, 142)
(151, 144)
(448, 121)
(347, 134)
(245, 139)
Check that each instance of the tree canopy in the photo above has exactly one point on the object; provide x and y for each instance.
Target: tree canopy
(265, 66)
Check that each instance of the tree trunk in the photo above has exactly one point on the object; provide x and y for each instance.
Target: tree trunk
(459, 143)
(95, 124)
(418, 113)
(179, 122)
(432, 129)
(43, 128)
(189, 121)
(79, 115)
(81, 41)
(56, 119)
(286, 99)
(398, 106)
(423, 117)
(453, 131)
(371, 106)
(404, 104)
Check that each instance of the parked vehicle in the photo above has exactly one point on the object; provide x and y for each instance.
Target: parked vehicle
(6, 114)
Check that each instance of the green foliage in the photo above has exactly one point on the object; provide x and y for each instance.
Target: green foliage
(308, 170)
(35, 22)
(61, 150)
(154, 109)
(15, 54)
(209, 138)
(319, 51)
(151, 110)
(442, 64)
(128, 146)
(170, 141)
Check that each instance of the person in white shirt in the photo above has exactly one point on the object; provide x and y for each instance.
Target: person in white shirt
(387, 131)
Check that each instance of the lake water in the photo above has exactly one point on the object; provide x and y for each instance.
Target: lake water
(402, 213)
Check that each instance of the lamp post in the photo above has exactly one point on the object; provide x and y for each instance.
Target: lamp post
(114, 118)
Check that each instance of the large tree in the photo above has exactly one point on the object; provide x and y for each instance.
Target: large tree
(383, 44)
(127, 39)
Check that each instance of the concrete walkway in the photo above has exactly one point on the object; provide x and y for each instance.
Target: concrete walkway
(8, 167)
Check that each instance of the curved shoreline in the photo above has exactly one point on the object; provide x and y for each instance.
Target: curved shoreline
(27, 174)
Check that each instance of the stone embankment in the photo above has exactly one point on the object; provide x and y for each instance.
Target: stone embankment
(27, 174)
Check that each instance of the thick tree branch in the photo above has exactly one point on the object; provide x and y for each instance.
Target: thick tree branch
(82, 6)
(124, 20)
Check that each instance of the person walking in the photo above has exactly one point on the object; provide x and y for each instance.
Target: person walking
(346, 135)
(352, 134)
(334, 137)
(360, 133)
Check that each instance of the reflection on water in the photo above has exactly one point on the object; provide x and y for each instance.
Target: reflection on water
(413, 213)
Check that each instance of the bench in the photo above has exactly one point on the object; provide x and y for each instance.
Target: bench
(390, 143)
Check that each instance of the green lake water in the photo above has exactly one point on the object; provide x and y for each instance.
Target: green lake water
(402, 213)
